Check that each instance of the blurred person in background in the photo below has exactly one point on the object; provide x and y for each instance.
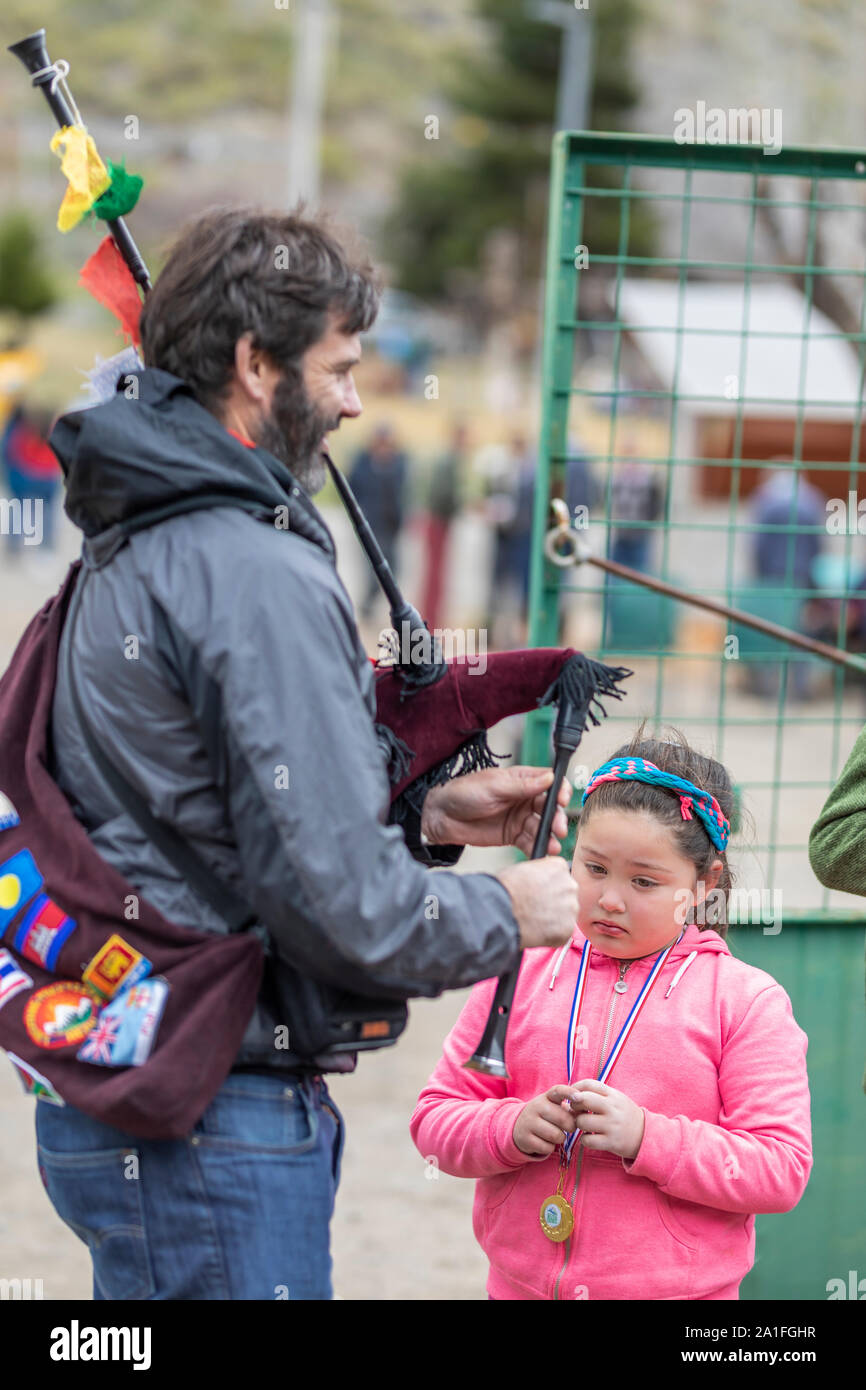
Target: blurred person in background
(508, 509)
(785, 499)
(378, 479)
(784, 558)
(637, 495)
(19, 366)
(30, 469)
(581, 489)
(582, 497)
(444, 499)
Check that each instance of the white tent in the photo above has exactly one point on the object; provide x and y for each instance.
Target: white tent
(720, 361)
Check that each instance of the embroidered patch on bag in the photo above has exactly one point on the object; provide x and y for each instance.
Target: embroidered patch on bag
(34, 1083)
(9, 817)
(19, 880)
(125, 1030)
(43, 932)
(61, 1014)
(116, 966)
(12, 978)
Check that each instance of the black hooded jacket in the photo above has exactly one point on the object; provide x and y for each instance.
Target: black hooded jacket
(219, 662)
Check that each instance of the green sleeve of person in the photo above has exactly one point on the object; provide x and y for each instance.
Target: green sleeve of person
(838, 836)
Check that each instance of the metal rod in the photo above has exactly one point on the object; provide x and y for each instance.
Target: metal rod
(580, 554)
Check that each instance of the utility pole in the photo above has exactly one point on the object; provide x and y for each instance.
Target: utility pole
(573, 88)
(314, 22)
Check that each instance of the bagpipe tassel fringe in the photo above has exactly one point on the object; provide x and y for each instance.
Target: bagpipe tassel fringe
(581, 684)
(472, 756)
(396, 753)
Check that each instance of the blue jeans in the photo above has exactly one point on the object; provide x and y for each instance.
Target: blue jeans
(238, 1209)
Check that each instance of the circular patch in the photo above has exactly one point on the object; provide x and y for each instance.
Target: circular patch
(10, 891)
(61, 1014)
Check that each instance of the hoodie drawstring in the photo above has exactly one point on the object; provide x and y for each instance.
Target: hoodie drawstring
(559, 959)
(682, 970)
(673, 984)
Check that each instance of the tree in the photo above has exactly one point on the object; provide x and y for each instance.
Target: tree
(502, 106)
(25, 286)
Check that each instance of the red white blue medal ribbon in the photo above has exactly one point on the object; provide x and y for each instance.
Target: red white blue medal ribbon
(624, 1032)
(575, 1008)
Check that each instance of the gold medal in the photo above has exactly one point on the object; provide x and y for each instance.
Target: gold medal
(556, 1215)
(557, 1218)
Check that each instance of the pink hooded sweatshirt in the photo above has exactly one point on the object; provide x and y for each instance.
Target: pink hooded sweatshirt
(718, 1064)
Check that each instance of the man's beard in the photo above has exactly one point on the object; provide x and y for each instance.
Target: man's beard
(294, 429)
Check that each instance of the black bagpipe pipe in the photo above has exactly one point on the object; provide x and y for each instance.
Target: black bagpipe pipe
(415, 674)
(580, 686)
(406, 620)
(51, 79)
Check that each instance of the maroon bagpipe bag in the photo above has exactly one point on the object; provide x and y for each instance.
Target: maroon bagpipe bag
(79, 902)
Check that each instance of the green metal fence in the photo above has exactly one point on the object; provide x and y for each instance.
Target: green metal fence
(732, 355)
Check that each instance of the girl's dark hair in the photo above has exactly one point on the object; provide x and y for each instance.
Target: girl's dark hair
(693, 842)
(239, 270)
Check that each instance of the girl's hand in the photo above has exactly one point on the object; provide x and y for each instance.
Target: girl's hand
(543, 1124)
(608, 1119)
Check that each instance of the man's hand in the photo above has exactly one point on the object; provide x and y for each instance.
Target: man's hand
(542, 1125)
(544, 900)
(496, 806)
(613, 1122)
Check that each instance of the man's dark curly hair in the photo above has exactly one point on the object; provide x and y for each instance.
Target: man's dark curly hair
(240, 269)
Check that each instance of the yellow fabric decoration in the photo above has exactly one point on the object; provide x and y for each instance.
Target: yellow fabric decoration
(87, 175)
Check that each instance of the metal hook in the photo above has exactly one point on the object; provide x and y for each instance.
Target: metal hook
(562, 534)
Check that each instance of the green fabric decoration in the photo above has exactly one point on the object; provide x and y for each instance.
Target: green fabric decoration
(121, 195)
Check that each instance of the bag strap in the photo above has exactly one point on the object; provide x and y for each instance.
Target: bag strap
(224, 901)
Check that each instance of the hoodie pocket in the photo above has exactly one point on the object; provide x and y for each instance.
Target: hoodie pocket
(506, 1226)
(490, 1193)
(498, 1189)
(672, 1224)
(709, 1229)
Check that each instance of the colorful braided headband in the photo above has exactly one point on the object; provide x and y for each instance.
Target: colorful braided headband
(705, 806)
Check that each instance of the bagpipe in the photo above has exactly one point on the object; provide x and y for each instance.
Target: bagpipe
(432, 715)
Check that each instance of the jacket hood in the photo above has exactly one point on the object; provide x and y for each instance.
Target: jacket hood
(693, 939)
(129, 456)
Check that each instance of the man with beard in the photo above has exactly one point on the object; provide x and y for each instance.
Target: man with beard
(218, 661)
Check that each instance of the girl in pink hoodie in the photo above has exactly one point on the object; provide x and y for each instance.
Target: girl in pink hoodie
(644, 1186)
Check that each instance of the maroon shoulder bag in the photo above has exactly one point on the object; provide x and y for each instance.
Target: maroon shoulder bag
(104, 1004)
